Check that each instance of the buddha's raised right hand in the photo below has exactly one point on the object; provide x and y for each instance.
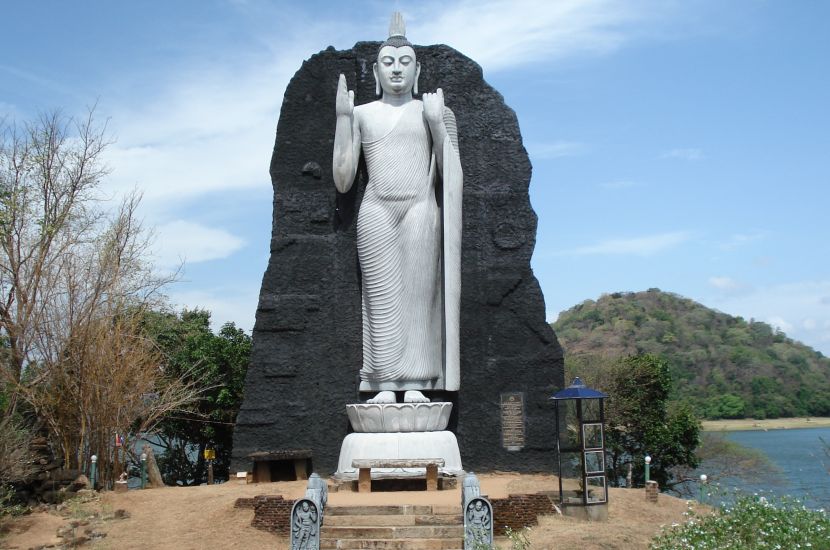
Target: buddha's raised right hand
(344, 103)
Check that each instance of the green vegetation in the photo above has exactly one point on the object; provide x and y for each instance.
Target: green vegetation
(722, 366)
(217, 363)
(752, 522)
(641, 421)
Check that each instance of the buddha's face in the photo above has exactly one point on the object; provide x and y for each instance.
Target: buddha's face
(396, 69)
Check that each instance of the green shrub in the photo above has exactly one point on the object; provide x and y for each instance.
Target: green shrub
(750, 523)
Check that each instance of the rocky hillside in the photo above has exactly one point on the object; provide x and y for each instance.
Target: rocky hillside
(724, 366)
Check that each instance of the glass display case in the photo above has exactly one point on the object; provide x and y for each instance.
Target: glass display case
(580, 439)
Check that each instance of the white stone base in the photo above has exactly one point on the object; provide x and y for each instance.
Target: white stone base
(399, 445)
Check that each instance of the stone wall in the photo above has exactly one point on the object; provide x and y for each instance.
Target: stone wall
(519, 511)
(307, 337)
(271, 513)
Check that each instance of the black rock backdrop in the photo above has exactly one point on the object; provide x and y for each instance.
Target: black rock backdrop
(307, 337)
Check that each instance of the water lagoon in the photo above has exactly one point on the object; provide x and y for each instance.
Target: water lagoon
(804, 468)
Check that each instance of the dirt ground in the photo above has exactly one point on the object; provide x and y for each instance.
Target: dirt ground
(184, 518)
(768, 424)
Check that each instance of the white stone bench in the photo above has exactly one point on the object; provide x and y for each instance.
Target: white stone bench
(365, 465)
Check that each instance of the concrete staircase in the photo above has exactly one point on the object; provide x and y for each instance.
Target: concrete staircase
(404, 527)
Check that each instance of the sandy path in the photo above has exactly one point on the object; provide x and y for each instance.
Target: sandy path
(34, 530)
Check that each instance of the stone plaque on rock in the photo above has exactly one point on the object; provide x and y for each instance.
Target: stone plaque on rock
(512, 421)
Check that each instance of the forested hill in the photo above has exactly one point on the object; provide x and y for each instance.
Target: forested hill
(724, 366)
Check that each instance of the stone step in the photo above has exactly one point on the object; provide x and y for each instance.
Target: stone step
(389, 510)
(392, 519)
(392, 532)
(387, 544)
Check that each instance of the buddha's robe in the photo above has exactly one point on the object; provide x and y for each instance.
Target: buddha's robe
(401, 252)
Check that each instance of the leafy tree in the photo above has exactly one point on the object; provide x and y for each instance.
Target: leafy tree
(725, 406)
(219, 363)
(640, 422)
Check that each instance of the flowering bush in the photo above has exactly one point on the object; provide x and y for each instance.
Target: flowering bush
(749, 523)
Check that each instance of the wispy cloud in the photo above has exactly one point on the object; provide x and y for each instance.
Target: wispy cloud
(690, 154)
(724, 283)
(741, 239)
(203, 133)
(729, 286)
(555, 149)
(41, 81)
(204, 125)
(508, 33)
(209, 124)
(638, 246)
(9, 112)
(181, 240)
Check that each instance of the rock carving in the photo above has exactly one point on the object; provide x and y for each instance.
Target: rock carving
(408, 225)
(305, 526)
(478, 515)
(478, 524)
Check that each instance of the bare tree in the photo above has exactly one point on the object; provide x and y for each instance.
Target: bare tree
(75, 284)
(49, 173)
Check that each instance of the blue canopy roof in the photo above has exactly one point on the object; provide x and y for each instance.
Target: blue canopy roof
(578, 390)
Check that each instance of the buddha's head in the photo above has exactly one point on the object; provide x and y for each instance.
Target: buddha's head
(396, 70)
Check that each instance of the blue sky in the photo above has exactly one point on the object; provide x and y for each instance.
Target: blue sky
(679, 145)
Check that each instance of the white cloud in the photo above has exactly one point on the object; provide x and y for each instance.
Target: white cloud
(796, 308)
(690, 154)
(555, 149)
(196, 137)
(182, 240)
(779, 323)
(724, 283)
(506, 33)
(637, 246)
(237, 304)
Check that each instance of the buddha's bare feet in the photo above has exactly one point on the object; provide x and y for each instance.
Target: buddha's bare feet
(383, 397)
(414, 396)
